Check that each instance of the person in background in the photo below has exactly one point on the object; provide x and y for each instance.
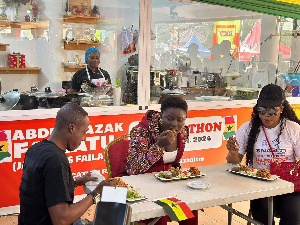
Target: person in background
(158, 141)
(47, 185)
(274, 114)
(91, 74)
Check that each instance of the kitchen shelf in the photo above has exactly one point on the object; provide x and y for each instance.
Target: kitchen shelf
(28, 70)
(23, 25)
(3, 47)
(81, 19)
(73, 68)
(77, 45)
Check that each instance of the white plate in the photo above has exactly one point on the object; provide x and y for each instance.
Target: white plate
(136, 199)
(162, 178)
(198, 185)
(179, 178)
(273, 177)
(200, 175)
(88, 188)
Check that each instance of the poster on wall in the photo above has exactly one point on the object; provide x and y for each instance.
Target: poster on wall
(230, 31)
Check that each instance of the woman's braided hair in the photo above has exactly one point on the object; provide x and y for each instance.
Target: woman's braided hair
(287, 113)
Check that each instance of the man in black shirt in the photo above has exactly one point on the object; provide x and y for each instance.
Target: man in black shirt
(91, 72)
(47, 185)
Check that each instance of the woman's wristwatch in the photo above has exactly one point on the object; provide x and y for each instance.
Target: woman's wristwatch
(96, 196)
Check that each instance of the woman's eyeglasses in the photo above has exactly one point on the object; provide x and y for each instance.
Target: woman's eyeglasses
(271, 111)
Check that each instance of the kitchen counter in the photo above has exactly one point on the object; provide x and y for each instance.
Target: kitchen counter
(13, 115)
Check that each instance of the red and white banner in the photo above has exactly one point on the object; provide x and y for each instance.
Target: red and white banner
(206, 146)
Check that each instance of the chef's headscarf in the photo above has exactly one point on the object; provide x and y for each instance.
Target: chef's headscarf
(89, 51)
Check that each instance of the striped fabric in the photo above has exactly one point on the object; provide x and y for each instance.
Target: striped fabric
(284, 8)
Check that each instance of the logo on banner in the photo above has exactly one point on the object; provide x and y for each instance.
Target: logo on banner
(209, 132)
(230, 125)
(205, 132)
(5, 147)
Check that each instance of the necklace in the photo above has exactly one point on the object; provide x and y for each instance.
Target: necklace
(89, 77)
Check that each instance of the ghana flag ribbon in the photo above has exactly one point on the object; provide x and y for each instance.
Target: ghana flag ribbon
(229, 127)
(176, 209)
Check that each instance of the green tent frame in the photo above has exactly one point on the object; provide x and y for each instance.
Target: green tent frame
(271, 7)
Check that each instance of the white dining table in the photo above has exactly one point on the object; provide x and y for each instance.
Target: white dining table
(224, 189)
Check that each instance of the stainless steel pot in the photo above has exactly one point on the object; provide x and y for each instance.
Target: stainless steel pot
(168, 93)
(28, 101)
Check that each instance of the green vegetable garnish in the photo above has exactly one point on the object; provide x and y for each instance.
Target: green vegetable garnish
(161, 175)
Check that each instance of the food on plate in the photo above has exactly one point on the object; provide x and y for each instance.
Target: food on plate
(161, 175)
(182, 175)
(244, 169)
(131, 192)
(194, 171)
(120, 182)
(236, 168)
(264, 173)
(167, 174)
(175, 172)
(251, 172)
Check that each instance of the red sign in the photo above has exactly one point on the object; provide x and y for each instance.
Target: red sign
(209, 130)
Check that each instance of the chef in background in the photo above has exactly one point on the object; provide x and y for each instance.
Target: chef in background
(91, 75)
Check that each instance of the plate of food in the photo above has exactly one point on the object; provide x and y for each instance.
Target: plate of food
(132, 194)
(177, 174)
(198, 184)
(261, 174)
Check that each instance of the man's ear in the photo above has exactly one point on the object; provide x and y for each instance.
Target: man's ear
(72, 128)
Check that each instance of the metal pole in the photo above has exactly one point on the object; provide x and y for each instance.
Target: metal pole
(229, 215)
(270, 210)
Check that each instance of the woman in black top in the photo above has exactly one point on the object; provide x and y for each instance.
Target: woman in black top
(90, 72)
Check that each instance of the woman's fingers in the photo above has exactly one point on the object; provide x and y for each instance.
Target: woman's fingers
(166, 138)
(232, 144)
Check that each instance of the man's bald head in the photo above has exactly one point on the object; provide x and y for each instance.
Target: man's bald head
(70, 113)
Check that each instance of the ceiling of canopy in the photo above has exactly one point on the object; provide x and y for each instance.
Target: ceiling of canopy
(209, 10)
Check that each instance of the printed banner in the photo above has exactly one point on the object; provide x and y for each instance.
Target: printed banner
(228, 30)
(206, 146)
(205, 132)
